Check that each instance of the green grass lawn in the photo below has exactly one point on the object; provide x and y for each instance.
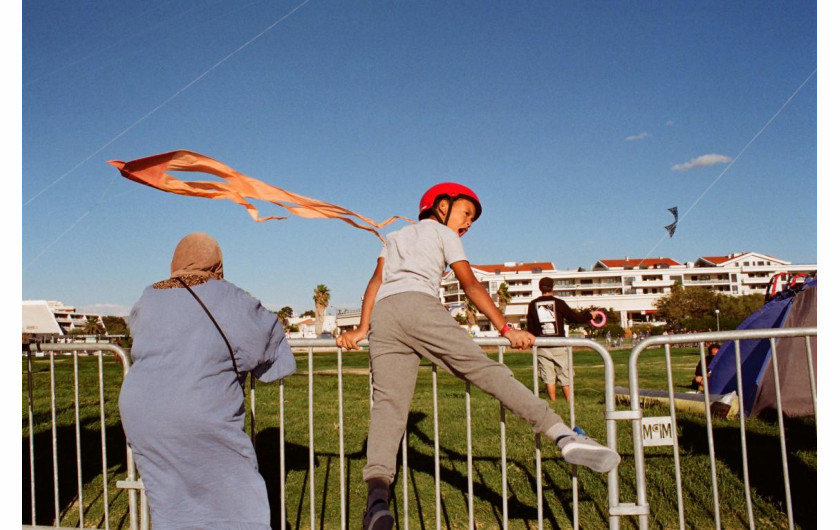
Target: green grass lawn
(765, 454)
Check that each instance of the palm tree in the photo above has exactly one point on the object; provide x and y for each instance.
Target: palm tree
(322, 300)
(503, 296)
(471, 311)
(92, 326)
(285, 314)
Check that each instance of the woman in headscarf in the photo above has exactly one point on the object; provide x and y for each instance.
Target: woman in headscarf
(181, 403)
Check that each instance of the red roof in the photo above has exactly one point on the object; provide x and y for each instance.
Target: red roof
(636, 262)
(519, 267)
(718, 260)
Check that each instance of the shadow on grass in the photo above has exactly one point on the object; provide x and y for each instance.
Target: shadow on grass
(517, 510)
(765, 462)
(91, 450)
(267, 449)
(420, 463)
(297, 460)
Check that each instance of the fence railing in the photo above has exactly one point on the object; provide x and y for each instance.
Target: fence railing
(136, 515)
(50, 352)
(641, 506)
(311, 345)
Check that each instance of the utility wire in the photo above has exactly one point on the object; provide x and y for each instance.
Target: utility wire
(166, 101)
(743, 150)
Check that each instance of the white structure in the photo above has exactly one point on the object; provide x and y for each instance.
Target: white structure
(628, 286)
(307, 327)
(38, 320)
(38, 313)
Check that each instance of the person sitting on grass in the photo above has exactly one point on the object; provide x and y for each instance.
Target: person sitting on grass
(697, 381)
(402, 311)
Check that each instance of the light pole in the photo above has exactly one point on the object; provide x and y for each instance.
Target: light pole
(717, 318)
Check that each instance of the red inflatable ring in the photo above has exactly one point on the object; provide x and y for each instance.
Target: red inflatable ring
(599, 324)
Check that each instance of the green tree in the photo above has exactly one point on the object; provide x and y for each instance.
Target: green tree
(734, 309)
(284, 314)
(693, 308)
(503, 294)
(93, 327)
(115, 325)
(308, 313)
(322, 301)
(613, 323)
(471, 311)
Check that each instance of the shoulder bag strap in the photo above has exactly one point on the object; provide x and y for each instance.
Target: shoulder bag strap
(222, 333)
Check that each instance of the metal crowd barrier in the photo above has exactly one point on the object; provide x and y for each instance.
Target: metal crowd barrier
(641, 507)
(139, 517)
(50, 351)
(501, 344)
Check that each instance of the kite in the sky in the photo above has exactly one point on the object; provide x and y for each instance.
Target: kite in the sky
(151, 171)
(671, 228)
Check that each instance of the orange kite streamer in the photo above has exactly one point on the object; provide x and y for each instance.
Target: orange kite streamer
(151, 171)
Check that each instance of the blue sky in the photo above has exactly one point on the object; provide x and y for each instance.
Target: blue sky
(577, 124)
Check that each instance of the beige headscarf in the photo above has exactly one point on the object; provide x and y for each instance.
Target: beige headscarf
(197, 258)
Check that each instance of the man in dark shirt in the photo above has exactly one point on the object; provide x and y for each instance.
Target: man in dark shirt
(545, 318)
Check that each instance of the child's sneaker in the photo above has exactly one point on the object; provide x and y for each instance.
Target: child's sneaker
(583, 451)
(377, 517)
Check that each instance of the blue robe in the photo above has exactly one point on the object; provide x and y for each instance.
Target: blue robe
(182, 408)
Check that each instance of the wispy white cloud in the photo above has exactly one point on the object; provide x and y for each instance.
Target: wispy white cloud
(702, 161)
(637, 137)
(104, 308)
(669, 123)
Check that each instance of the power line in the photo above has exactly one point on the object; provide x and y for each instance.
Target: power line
(166, 101)
(741, 152)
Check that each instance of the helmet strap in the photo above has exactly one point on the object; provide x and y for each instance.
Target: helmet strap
(451, 201)
(448, 210)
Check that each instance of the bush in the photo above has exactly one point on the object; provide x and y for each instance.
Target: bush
(615, 330)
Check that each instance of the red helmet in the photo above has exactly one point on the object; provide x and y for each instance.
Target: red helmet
(447, 189)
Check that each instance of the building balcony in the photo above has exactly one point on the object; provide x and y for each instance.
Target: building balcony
(756, 280)
(707, 282)
(646, 284)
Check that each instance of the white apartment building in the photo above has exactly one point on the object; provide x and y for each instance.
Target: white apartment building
(308, 326)
(38, 321)
(37, 315)
(629, 286)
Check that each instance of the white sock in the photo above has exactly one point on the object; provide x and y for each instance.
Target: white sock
(557, 430)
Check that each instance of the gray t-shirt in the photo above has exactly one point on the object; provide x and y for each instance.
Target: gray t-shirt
(416, 256)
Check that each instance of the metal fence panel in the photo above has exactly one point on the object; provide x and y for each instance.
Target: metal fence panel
(61, 512)
(641, 507)
(137, 514)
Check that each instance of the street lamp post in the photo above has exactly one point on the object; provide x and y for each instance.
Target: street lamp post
(717, 318)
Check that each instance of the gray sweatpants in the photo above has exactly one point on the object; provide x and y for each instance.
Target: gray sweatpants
(408, 325)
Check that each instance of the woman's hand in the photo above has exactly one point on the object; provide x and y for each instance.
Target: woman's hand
(348, 339)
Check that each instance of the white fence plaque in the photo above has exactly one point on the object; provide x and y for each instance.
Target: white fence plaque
(657, 431)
